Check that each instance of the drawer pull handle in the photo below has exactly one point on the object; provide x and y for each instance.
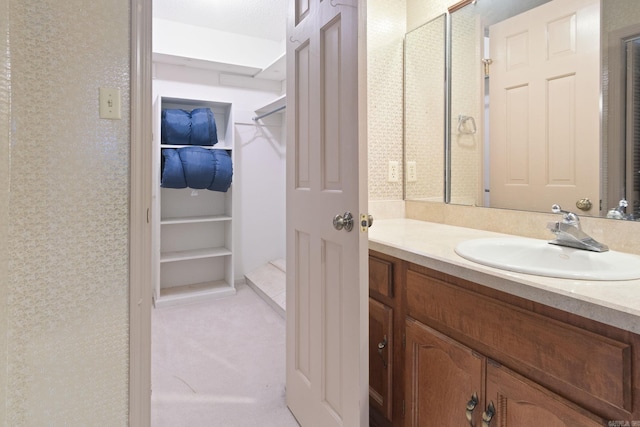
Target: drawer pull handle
(487, 416)
(471, 405)
(381, 346)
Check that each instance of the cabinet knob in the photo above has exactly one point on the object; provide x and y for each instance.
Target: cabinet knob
(487, 415)
(381, 346)
(471, 405)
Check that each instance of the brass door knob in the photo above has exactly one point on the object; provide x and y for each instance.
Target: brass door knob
(584, 204)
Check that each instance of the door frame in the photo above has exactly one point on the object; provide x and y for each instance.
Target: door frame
(616, 125)
(140, 290)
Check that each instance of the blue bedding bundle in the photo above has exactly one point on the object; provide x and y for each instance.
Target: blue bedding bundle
(181, 127)
(197, 168)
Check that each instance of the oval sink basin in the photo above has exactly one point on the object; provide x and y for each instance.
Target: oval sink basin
(533, 256)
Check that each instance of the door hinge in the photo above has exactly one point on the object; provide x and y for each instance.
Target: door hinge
(403, 407)
(148, 215)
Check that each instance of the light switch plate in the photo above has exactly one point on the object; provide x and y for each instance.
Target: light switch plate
(110, 103)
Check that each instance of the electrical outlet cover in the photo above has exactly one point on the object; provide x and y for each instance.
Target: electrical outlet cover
(412, 175)
(394, 171)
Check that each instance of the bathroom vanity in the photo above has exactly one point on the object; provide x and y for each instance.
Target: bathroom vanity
(455, 343)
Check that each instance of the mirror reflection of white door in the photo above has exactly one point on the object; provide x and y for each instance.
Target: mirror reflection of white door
(545, 107)
(327, 270)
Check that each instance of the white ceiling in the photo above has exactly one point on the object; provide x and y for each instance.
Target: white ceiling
(256, 18)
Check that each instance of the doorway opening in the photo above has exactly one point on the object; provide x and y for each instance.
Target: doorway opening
(217, 349)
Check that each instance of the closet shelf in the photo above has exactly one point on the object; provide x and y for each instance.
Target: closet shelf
(195, 219)
(277, 103)
(195, 292)
(194, 254)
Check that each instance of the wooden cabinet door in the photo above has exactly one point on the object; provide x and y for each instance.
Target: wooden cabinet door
(441, 376)
(380, 358)
(519, 402)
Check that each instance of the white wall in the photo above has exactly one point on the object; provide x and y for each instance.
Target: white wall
(259, 158)
(188, 41)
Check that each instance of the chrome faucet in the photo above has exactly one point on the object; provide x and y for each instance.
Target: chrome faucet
(569, 232)
(619, 212)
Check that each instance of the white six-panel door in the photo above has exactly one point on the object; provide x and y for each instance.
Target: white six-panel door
(545, 110)
(327, 291)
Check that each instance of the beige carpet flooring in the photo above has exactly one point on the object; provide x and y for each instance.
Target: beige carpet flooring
(219, 363)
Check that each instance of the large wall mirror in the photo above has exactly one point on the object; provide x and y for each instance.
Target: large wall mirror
(424, 115)
(542, 107)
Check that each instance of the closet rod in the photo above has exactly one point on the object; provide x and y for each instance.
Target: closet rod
(255, 119)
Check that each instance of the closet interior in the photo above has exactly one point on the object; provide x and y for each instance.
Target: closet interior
(219, 202)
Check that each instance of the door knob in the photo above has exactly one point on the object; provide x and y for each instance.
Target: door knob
(584, 204)
(343, 221)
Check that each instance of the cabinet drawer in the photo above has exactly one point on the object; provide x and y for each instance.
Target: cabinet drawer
(576, 362)
(381, 276)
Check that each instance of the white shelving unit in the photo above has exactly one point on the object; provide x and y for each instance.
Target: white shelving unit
(193, 232)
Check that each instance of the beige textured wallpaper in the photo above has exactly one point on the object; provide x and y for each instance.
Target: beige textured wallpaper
(422, 11)
(4, 199)
(385, 35)
(67, 279)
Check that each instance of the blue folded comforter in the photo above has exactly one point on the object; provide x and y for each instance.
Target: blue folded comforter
(181, 127)
(197, 168)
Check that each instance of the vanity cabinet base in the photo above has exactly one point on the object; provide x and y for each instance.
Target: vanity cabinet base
(463, 351)
(582, 367)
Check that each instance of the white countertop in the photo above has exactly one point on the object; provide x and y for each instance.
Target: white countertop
(616, 303)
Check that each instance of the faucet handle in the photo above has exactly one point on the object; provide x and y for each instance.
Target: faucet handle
(557, 209)
(567, 217)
